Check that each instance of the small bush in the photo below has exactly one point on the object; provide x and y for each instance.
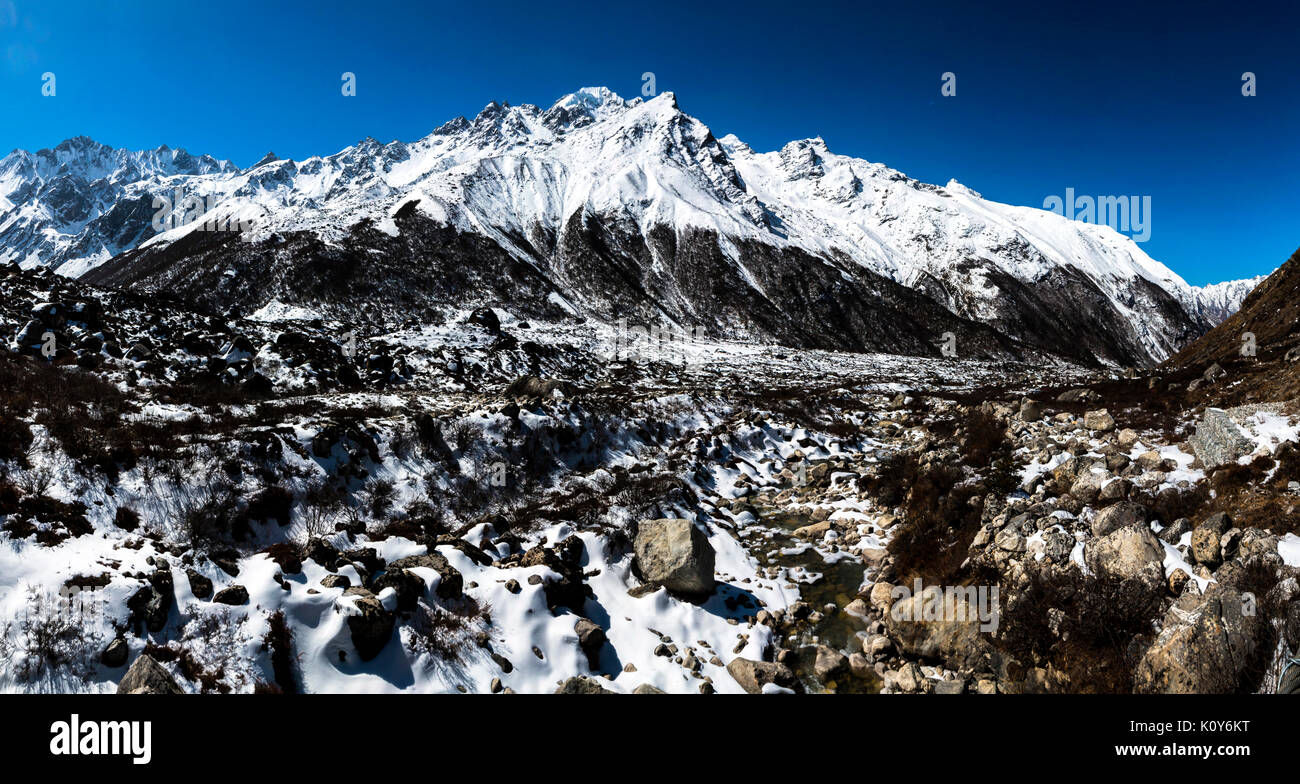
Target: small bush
(938, 525)
(981, 437)
(126, 519)
(279, 641)
(1097, 621)
(444, 633)
(273, 503)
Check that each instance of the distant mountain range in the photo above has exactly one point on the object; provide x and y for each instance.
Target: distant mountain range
(603, 208)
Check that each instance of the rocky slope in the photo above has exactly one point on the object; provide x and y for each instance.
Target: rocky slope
(251, 503)
(1251, 356)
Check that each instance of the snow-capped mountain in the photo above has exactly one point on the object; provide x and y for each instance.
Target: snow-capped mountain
(1218, 301)
(607, 208)
(81, 203)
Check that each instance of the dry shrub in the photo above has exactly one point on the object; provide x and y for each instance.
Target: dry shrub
(1098, 620)
(938, 525)
(445, 632)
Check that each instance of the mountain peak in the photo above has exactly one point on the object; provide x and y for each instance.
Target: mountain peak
(590, 98)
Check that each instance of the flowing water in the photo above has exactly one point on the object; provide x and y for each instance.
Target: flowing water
(820, 582)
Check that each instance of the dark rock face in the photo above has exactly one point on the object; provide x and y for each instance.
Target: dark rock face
(604, 264)
(452, 584)
(408, 586)
(200, 586)
(115, 654)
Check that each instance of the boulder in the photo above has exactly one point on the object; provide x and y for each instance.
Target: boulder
(1218, 440)
(147, 676)
(754, 675)
(371, 624)
(1099, 420)
(406, 584)
(452, 584)
(234, 595)
(200, 586)
(1205, 547)
(1205, 646)
(1129, 553)
(674, 553)
(591, 638)
(943, 625)
(1174, 532)
(1117, 516)
(115, 654)
(582, 685)
(813, 531)
(829, 663)
(1178, 581)
(1087, 485)
(1030, 410)
(1081, 395)
(532, 386)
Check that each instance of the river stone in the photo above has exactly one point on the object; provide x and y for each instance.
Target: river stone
(813, 531)
(674, 553)
(1218, 440)
(753, 675)
(147, 676)
(581, 684)
(909, 678)
(829, 663)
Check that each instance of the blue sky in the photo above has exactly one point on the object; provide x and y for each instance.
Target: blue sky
(1118, 100)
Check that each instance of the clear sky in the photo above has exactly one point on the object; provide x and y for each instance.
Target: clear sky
(1138, 98)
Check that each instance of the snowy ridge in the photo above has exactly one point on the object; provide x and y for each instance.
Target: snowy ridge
(1218, 301)
(523, 172)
